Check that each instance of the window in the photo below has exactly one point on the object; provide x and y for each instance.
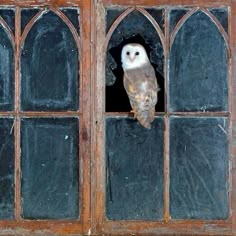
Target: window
(44, 121)
(74, 161)
(176, 177)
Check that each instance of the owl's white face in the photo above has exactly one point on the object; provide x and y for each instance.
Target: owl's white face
(133, 55)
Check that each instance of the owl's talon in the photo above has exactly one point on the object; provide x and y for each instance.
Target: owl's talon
(132, 111)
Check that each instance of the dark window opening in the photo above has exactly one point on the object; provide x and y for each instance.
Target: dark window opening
(135, 28)
(116, 97)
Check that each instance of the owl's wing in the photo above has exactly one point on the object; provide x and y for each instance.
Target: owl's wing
(141, 87)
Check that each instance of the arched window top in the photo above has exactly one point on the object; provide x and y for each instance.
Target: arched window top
(134, 25)
(6, 67)
(52, 19)
(205, 18)
(132, 16)
(7, 29)
(49, 63)
(199, 64)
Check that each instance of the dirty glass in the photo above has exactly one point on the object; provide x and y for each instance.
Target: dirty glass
(158, 15)
(134, 170)
(27, 15)
(175, 17)
(8, 16)
(199, 168)
(112, 15)
(73, 15)
(198, 67)
(6, 169)
(6, 72)
(222, 16)
(49, 67)
(49, 163)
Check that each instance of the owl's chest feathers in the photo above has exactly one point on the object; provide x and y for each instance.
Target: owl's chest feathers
(144, 85)
(138, 77)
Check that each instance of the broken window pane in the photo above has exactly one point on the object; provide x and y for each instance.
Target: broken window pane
(199, 168)
(134, 170)
(49, 67)
(6, 72)
(49, 162)
(6, 169)
(135, 28)
(198, 67)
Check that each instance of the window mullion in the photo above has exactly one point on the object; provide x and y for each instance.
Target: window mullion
(17, 116)
(166, 123)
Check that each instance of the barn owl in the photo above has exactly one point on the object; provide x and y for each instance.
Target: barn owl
(140, 83)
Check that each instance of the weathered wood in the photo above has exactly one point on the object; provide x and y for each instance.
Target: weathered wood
(81, 225)
(93, 42)
(168, 226)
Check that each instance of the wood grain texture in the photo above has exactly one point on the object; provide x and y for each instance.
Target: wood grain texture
(181, 227)
(92, 128)
(18, 225)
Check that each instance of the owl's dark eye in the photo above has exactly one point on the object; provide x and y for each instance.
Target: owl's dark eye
(137, 53)
(127, 53)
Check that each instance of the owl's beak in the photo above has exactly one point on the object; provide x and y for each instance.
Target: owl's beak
(131, 58)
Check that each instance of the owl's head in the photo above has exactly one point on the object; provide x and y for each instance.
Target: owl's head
(133, 55)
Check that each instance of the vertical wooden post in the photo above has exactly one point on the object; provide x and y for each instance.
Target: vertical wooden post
(233, 115)
(17, 112)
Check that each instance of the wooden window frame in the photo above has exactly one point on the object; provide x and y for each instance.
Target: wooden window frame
(92, 130)
(81, 225)
(167, 226)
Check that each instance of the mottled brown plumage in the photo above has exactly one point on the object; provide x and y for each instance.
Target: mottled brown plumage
(141, 87)
(140, 83)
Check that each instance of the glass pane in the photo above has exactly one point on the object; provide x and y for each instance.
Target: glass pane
(6, 72)
(135, 28)
(222, 16)
(199, 168)
(27, 15)
(6, 169)
(49, 67)
(49, 162)
(111, 15)
(198, 67)
(73, 15)
(175, 17)
(134, 169)
(8, 15)
(158, 15)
